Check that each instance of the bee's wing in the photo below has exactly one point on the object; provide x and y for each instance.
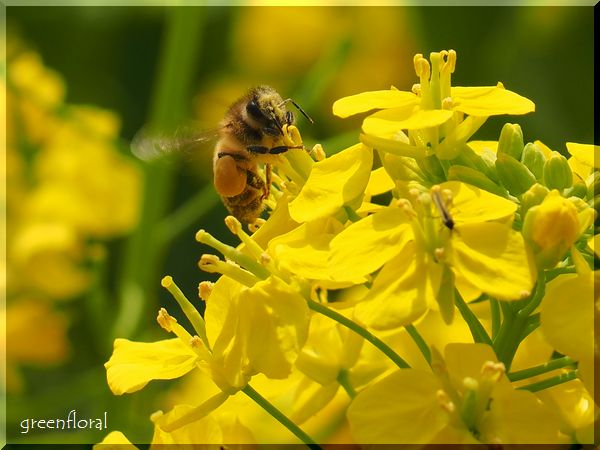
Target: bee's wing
(149, 145)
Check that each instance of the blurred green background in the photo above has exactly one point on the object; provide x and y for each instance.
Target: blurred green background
(170, 65)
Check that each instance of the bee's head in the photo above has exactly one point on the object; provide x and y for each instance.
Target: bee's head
(266, 107)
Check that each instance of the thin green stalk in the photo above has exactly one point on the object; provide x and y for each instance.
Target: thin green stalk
(344, 380)
(423, 347)
(554, 381)
(186, 215)
(496, 317)
(533, 322)
(554, 364)
(171, 99)
(508, 347)
(280, 417)
(386, 349)
(477, 330)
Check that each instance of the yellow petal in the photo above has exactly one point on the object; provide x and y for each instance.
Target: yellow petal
(585, 153)
(304, 251)
(205, 430)
(402, 408)
(134, 364)
(489, 101)
(567, 315)
(379, 182)
(368, 244)
(575, 406)
(481, 147)
(333, 183)
(518, 417)
(493, 258)
(471, 204)
(275, 326)
(387, 123)
(401, 293)
(115, 440)
(366, 101)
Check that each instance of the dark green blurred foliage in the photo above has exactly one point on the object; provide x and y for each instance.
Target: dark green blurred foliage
(109, 57)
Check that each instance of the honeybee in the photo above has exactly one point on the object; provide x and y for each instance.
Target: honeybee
(251, 133)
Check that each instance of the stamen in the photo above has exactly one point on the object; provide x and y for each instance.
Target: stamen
(493, 370)
(165, 320)
(416, 89)
(318, 153)
(444, 400)
(254, 226)
(212, 264)
(205, 289)
(470, 383)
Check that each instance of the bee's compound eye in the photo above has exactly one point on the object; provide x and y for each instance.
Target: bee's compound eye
(254, 111)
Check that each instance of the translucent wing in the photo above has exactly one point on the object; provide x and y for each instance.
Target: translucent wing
(149, 145)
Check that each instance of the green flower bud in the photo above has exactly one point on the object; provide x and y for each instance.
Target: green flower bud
(534, 159)
(514, 175)
(533, 197)
(579, 189)
(511, 141)
(593, 186)
(432, 167)
(476, 178)
(557, 173)
(467, 157)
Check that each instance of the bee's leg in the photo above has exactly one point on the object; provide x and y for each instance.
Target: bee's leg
(262, 150)
(267, 188)
(289, 117)
(275, 132)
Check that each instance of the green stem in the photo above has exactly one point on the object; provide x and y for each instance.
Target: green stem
(280, 417)
(554, 364)
(423, 347)
(506, 349)
(171, 99)
(477, 331)
(554, 381)
(385, 349)
(344, 380)
(495, 312)
(185, 216)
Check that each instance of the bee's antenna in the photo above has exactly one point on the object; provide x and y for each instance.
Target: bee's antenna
(289, 100)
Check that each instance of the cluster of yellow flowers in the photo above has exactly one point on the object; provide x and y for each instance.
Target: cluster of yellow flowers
(68, 191)
(466, 266)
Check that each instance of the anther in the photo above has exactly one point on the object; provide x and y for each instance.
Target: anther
(444, 400)
(165, 320)
(233, 224)
(470, 383)
(205, 289)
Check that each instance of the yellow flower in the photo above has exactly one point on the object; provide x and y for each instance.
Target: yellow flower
(415, 249)
(576, 408)
(433, 114)
(567, 320)
(584, 158)
(334, 183)
(553, 227)
(35, 336)
(247, 331)
(466, 399)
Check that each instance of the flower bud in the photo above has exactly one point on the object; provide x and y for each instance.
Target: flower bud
(551, 228)
(534, 159)
(511, 141)
(557, 173)
(475, 178)
(533, 197)
(579, 189)
(514, 175)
